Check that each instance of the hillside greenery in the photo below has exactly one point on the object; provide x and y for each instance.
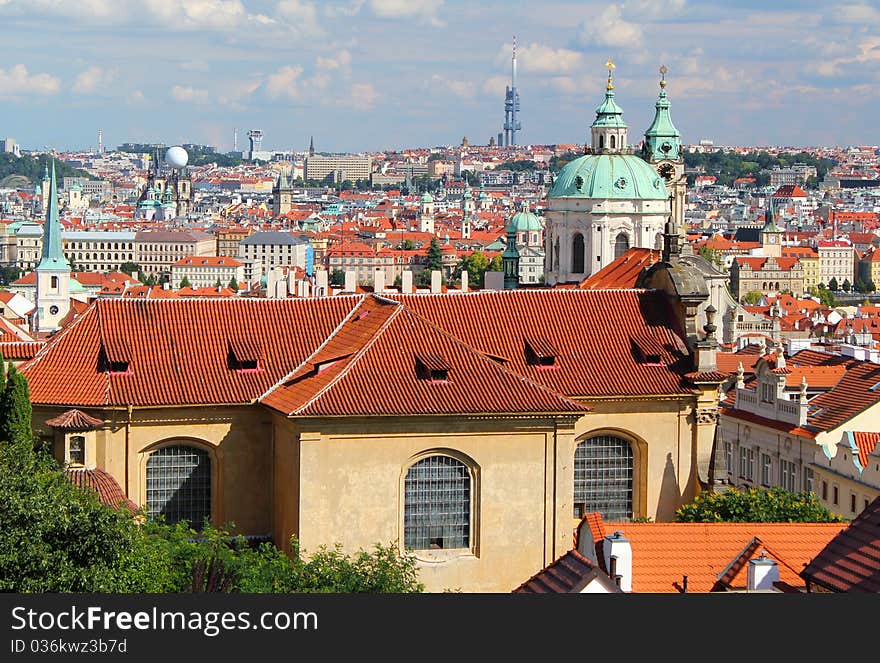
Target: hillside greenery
(728, 166)
(33, 168)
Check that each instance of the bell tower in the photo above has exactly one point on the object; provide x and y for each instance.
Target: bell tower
(608, 131)
(53, 271)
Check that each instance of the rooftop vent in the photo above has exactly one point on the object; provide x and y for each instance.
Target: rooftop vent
(646, 349)
(243, 354)
(115, 356)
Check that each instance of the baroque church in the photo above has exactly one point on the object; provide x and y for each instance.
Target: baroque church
(611, 198)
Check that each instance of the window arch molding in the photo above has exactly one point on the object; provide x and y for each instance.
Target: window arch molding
(215, 456)
(639, 449)
(474, 476)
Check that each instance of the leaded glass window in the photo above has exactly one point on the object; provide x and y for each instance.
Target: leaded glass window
(437, 504)
(179, 485)
(603, 477)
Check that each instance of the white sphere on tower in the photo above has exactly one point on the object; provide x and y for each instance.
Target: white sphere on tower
(176, 157)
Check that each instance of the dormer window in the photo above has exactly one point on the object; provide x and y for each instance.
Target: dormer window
(243, 355)
(432, 368)
(76, 450)
(115, 356)
(647, 350)
(540, 352)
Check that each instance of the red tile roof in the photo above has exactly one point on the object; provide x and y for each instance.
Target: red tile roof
(20, 350)
(74, 420)
(591, 331)
(568, 574)
(103, 484)
(382, 338)
(850, 562)
(866, 444)
(663, 553)
(622, 272)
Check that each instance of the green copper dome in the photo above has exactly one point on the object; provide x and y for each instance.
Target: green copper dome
(524, 221)
(427, 198)
(615, 176)
(662, 140)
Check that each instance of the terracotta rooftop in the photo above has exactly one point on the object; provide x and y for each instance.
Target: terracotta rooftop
(102, 483)
(75, 420)
(568, 574)
(622, 272)
(711, 554)
(850, 562)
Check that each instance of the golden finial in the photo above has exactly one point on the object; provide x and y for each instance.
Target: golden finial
(610, 65)
(663, 71)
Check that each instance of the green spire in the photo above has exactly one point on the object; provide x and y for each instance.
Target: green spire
(510, 258)
(609, 114)
(53, 257)
(770, 220)
(662, 139)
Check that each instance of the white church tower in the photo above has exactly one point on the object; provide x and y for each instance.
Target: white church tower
(53, 271)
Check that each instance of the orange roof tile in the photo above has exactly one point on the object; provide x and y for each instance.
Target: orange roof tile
(622, 272)
(664, 553)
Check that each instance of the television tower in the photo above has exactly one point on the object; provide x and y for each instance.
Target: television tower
(100, 141)
(511, 104)
(235, 139)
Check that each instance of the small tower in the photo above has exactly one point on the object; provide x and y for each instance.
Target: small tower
(467, 201)
(53, 271)
(311, 146)
(426, 214)
(662, 149)
(510, 258)
(608, 130)
(771, 234)
(282, 195)
(466, 227)
(484, 200)
(44, 190)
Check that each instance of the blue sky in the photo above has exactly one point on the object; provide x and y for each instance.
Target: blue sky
(384, 74)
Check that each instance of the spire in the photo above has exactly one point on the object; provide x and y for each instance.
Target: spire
(662, 139)
(510, 258)
(770, 219)
(311, 146)
(53, 257)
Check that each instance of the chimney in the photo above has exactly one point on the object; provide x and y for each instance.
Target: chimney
(271, 279)
(321, 283)
(464, 280)
(406, 282)
(350, 281)
(763, 572)
(281, 289)
(436, 285)
(134, 276)
(618, 558)
(291, 279)
(379, 280)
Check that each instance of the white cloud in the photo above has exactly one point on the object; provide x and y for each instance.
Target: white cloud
(423, 10)
(340, 62)
(234, 92)
(197, 14)
(543, 59)
(459, 88)
(94, 79)
(856, 14)
(495, 86)
(609, 28)
(284, 82)
(17, 81)
(654, 9)
(302, 16)
(136, 97)
(189, 94)
(353, 8)
(363, 96)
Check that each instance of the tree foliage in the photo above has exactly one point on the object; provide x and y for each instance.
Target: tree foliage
(337, 278)
(475, 265)
(130, 268)
(34, 167)
(833, 285)
(435, 255)
(233, 284)
(184, 283)
(752, 297)
(726, 166)
(15, 408)
(755, 505)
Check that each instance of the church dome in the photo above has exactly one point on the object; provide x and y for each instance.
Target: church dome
(609, 176)
(525, 221)
(427, 198)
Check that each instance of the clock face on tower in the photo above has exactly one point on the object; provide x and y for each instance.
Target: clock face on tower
(772, 239)
(53, 310)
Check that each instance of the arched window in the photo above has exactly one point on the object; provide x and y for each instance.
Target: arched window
(179, 485)
(437, 504)
(621, 244)
(556, 254)
(613, 141)
(601, 142)
(603, 477)
(577, 254)
(764, 285)
(658, 241)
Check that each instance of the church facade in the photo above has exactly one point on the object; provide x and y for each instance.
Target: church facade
(611, 199)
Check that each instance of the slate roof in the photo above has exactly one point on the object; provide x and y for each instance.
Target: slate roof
(850, 562)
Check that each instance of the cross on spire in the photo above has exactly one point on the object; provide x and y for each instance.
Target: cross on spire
(663, 71)
(610, 64)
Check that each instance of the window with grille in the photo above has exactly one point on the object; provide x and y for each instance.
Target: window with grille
(603, 477)
(76, 454)
(179, 485)
(437, 504)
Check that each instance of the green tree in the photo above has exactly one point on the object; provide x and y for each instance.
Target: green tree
(217, 283)
(755, 505)
(496, 264)
(184, 283)
(435, 256)
(475, 265)
(846, 285)
(337, 278)
(233, 284)
(130, 268)
(150, 280)
(870, 287)
(9, 273)
(408, 245)
(832, 284)
(752, 297)
(826, 297)
(859, 286)
(15, 408)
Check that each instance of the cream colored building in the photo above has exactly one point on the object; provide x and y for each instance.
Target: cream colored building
(337, 419)
(318, 167)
